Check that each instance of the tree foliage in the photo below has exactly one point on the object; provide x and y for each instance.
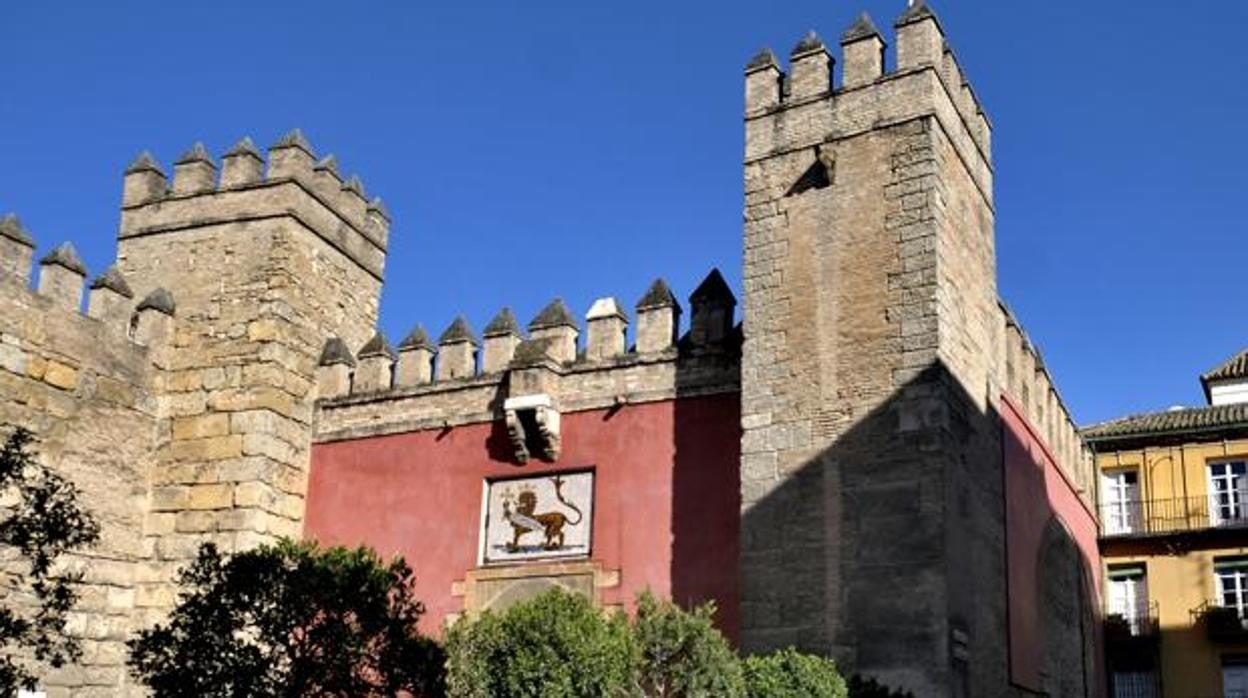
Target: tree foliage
(681, 654)
(791, 674)
(290, 620)
(863, 687)
(557, 645)
(42, 521)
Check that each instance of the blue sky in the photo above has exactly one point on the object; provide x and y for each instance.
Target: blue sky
(534, 149)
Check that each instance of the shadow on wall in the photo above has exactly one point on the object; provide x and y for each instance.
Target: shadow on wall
(888, 551)
(706, 490)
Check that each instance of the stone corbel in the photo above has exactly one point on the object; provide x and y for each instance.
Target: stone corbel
(533, 425)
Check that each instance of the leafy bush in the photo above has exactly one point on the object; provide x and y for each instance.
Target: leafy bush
(42, 522)
(682, 653)
(791, 674)
(860, 687)
(290, 620)
(557, 645)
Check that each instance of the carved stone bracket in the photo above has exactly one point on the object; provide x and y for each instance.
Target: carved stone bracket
(533, 425)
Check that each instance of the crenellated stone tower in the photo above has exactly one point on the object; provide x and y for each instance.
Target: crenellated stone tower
(263, 267)
(872, 522)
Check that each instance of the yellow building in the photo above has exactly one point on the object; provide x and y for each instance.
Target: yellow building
(1174, 540)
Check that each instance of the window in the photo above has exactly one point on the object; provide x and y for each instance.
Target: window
(1231, 575)
(1128, 595)
(1120, 502)
(1228, 493)
(1135, 684)
(1235, 676)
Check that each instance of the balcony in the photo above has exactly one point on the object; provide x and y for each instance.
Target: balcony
(1223, 624)
(1131, 638)
(1161, 517)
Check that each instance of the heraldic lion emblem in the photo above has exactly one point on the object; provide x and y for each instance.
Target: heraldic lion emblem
(524, 518)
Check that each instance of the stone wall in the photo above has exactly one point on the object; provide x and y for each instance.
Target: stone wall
(875, 355)
(186, 416)
(84, 387)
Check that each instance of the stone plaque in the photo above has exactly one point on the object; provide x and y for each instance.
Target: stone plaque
(538, 517)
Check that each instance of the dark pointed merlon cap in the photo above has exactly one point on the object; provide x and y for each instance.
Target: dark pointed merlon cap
(808, 44)
(65, 256)
(532, 351)
(377, 206)
(862, 28)
(11, 228)
(916, 12)
(160, 300)
(713, 289)
(659, 295)
(197, 153)
(377, 346)
(502, 325)
(145, 163)
(763, 59)
(417, 339)
(355, 186)
(329, 164)
(556, 314)
(112, 280)
(294, 139)
(244, 147)
(336, 352)
(459, 331)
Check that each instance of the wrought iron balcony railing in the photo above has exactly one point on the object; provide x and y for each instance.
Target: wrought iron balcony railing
(1144, 517)
(1140, 621)
(1223, 624)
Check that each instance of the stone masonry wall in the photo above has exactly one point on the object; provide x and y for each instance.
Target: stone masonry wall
(263, 271)
(875, 352)
(83, 386)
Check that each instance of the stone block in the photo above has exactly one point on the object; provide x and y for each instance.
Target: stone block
(215, 496)
(61, 376)
(201, 426)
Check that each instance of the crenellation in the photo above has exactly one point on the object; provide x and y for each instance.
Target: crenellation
(144, 182)
(499, 341)
(920, 39)
(658, 319)
(375, 369)
(335, 369)
(862, 49)
(457, 351)
(291, 157)
(555, 324)
(416, 354)
(606, 330)
(810, 70)
(712, 311)
(61, 277)
(110, 299)
(194, 172)
(17, 249)
(242, 165)
(764, 82)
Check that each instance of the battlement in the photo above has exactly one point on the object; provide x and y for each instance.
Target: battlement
(1033, 390)
(292, 184)
(60, 287)
(806, 105)
(462, 379)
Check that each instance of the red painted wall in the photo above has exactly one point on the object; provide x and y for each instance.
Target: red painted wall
(1038, 494)
(666, 509)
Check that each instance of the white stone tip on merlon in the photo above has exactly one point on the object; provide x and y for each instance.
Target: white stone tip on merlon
(605, 308)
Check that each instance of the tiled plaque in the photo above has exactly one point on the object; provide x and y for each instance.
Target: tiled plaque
(538, 517)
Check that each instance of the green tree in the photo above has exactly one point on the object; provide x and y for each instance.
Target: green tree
(42, 522)
(290, 620)
(788, 673)
(681, 654)
(557, 645)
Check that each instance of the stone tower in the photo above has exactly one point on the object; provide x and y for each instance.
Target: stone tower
(264, 267)
(872, 516)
